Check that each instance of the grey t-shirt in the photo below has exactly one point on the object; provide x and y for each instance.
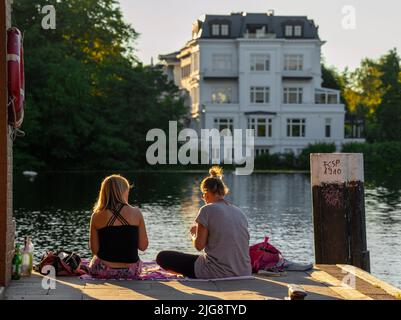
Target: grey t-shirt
(227, 250)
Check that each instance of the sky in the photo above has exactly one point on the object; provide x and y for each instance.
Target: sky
(353, 29)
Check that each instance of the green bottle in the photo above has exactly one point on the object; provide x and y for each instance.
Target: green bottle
(16, 264)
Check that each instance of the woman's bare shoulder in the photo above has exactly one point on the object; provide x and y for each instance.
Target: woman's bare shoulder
(97, 218)
(135, 211)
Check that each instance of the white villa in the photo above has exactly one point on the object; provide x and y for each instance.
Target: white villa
(258, 71)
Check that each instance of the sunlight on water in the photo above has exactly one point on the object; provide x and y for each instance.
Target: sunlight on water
(55, 209)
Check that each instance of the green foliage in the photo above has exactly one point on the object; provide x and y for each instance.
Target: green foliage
(380, 158)
(373, 91)
(289, 161)
(283, 161)
(90, 102)
(388, 113)
(304, 158)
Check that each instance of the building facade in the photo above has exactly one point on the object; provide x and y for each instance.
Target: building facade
(262, 72)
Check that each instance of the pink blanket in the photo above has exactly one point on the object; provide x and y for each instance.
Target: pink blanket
(150, 271)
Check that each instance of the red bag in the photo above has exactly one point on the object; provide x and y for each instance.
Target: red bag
(65, 263)
(264, 256)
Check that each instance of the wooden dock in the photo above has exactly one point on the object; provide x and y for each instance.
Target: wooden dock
(324, 282)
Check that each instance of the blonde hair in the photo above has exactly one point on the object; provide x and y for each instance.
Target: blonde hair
(111, 193)
(214, 182)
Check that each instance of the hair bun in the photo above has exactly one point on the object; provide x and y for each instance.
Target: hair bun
(216, 172)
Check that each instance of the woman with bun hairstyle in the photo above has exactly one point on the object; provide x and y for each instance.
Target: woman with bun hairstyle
(220, 232)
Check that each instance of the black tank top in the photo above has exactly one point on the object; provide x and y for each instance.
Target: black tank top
(118, 243)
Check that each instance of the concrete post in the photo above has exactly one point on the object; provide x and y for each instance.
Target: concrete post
(339, 209)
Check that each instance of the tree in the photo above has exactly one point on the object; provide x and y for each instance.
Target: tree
(373, 90)
(90, 101)
(388, 113)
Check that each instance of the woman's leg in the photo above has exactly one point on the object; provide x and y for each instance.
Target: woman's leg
(177, 262)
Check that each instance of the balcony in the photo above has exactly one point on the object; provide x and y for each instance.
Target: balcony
(327, 96)
(258, 31)
(259, 35)
(220, 107)
(297, 74)
(229, 74)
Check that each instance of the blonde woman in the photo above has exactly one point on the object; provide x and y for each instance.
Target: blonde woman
(220, 232)
(117, 232)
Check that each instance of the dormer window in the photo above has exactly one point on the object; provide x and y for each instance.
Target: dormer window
(220, 29)
(215, 29)
(225, 30)
(293, 30)
(288, 30)
(297, 31)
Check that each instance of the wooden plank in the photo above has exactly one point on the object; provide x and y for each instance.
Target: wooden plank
(342, 289)
(391, 290)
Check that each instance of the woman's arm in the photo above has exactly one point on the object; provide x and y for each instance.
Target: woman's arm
(93, 238)
(143, 242)
(199, 237)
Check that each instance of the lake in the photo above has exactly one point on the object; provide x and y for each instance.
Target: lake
(55, 208)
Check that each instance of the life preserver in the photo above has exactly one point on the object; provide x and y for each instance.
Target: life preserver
(16, 77)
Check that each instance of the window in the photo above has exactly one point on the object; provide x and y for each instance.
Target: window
(293, 62)
(222, 61)
(262, 126)
(225, 30)
(260, 62)
(293, 95)
(288, 30)
(260, 94)
(332, 99)
(185, 71)
(220, 29)
(295, 127)
(261, 151)
(320, 98)
(195, 62)
(215, 30)
(224, 123)
(293, 30)
(328, 128)
(221, 95)
(325, 97)
(297, 31)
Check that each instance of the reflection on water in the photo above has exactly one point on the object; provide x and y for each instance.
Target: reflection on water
(55, 209)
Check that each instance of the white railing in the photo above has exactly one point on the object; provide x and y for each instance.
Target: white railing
(259, 35)
(298, 73)
(220, 73)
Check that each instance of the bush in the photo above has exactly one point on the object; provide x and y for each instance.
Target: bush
(303, 161)
(380, 157)
(275, 161)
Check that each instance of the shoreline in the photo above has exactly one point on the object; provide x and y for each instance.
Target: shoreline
(278, 171)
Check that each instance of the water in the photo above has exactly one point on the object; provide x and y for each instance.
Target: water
(56, 208)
